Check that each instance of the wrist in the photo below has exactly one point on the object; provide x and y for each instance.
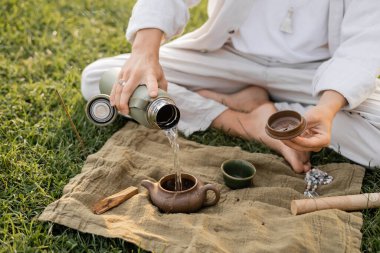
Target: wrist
(331, 102)
(147, 42)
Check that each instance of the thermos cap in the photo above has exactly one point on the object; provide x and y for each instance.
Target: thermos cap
(100, 111)
(284, 125)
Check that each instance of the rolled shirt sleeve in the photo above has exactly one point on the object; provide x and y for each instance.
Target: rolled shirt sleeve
(355, 65)
(170, 16)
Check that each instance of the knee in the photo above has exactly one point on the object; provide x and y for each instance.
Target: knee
(92, 73)
(90, 82)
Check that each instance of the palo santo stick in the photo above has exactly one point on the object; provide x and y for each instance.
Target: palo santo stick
(114, 200)
(345, 203)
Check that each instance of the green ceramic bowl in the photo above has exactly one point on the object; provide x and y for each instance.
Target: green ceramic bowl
(238, 173)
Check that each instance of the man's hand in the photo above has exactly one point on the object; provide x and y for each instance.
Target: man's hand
(319, 123)
(142, 67)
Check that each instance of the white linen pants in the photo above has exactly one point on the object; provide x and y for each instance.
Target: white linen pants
(355, 133)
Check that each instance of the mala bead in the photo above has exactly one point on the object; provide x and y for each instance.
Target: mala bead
(313, 178)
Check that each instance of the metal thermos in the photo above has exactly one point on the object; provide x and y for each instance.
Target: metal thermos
(159, 112)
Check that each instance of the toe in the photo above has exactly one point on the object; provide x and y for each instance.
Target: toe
(296, 164)
(307, 167)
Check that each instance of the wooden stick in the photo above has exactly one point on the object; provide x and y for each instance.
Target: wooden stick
(114, 200)
(345, 203)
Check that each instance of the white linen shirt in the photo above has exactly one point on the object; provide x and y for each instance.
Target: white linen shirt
(353, 38)
(260, 33)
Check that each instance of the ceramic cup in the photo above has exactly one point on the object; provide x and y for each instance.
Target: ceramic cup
(284, 125)
(238, 173)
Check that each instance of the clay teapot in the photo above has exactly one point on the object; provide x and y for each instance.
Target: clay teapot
(190, 199)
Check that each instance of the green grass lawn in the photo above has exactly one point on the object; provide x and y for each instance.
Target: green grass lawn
(44, 46)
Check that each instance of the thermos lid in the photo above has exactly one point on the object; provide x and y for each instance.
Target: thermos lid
(100, 111)
(284, 125)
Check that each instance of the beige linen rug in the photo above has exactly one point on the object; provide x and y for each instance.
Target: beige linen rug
(255, 219)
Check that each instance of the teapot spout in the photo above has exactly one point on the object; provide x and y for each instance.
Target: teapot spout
(148, 185)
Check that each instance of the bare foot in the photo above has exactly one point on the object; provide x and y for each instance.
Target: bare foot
(252, 126)
(300, 161)
(244, 100)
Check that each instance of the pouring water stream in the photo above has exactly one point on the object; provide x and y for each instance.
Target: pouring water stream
(172, 134)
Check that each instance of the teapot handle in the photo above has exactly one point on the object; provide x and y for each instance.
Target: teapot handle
(210, 187)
